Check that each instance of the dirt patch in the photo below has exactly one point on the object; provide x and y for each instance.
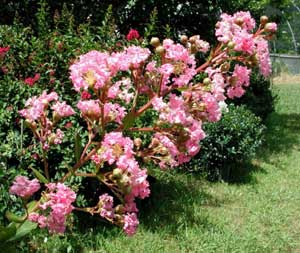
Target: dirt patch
(286, 78)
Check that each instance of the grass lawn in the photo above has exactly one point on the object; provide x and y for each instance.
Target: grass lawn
(259, 212)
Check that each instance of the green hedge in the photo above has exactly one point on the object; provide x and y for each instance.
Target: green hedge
(229, 142)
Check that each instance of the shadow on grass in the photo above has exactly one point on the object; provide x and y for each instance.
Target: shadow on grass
(175, 204)
(244, 173)
(282, 134)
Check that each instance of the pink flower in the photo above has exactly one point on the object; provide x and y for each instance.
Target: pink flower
(62, 109)
(58, 137)
(90, 71)
(31, 80)
(89, 108)
(24, 187)
(212, 107)
(122, 89)
(201, 45)
(56, 208)
(137, 55)
(130, 223)
(114, 112)
(242, 75)
(36, 106)
(244, 42)
(237, 91)
(133, 34)
(262, 50)
(137, 177)
(236, 28)
(177, 52)
(114, 145)
(106, 203)
(247, 22)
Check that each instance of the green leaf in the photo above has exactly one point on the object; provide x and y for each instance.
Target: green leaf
(7, 232)
(78, 146)
(13, 217)
(40, 176)
(31, 205)
(23, 230)
(129, 120)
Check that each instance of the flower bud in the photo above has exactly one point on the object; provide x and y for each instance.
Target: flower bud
(117, 173)
(231, 45)
(56, 117)
(45, 102)
(193, 39)
(254, 59)
(164, 151)
(264, 20)
(120, 209)
(194, 49)
(233, 80)
(137, 142)
(30, 124)
(184, 39)
(155, 42)
(206, 81)
(51, 138)
(202, 107)
(239, 21)
(225, 67)
(271, 27)
(125, 180)
(159, 50)
(154, 143)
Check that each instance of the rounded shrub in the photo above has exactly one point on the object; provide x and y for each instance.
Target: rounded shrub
(229, 142)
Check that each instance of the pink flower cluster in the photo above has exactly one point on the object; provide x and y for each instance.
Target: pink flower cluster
(106, 203)
(240, 77)
(95, 69)
(236, 30)
(36, 106)
(130, 224)
(116, 88)
(55, 209)
(118, 150)
(130, 221)
(263, 56)
(36, 113)
(23, 187)
(62, 109)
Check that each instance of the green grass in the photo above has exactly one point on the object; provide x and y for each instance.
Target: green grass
(259, 212)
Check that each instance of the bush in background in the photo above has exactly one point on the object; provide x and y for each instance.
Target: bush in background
(229, 142)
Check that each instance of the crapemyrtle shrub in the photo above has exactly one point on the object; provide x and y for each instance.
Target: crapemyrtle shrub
(259, 98)
(229, 142)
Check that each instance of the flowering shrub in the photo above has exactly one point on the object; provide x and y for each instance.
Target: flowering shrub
(115, 89)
